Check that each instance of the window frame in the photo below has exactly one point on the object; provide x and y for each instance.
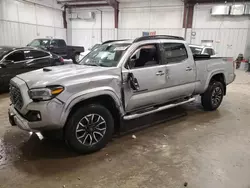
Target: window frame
(47, 56)
(58, 41)
(162, 52)
(57, 46)
(158, 47)
(12, 52)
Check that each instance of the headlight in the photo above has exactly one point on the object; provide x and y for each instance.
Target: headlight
(43, 94)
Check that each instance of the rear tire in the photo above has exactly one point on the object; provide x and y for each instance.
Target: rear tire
(213, 96)
(75, 58)
(89, 129)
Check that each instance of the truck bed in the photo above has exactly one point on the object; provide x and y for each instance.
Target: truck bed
(205, 67)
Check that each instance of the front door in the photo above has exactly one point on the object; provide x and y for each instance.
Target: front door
(59, 47)
(12, 65)
(150, 75)
(180, 70)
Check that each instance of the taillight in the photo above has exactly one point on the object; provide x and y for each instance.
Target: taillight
(244, 60)
(61, 59)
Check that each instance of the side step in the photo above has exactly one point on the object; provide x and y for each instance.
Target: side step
(137, 115)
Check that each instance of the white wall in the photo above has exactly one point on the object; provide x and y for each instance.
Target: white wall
(164, 17)
(22, 21)
(229, 33)
(88, 32)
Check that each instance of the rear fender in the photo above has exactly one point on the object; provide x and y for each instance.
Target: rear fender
(210, 76)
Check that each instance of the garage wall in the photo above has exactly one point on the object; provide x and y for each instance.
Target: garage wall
(228, 33)
(22, 21)
(87, 32)
(164, 17)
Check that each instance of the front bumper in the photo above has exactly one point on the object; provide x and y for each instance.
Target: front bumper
(16, 119)
(50, 116)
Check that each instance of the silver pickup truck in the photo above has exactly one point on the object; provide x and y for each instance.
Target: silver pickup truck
(120, 80)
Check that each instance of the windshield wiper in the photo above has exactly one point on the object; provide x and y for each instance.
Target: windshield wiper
(90, 64)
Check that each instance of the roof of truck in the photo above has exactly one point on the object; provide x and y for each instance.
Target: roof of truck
(144, 38)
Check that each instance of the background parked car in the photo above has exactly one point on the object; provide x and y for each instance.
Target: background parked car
(14, 61)
(205, 50)
(83, 54)
(59, 47)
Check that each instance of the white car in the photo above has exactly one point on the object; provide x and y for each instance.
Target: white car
(206, 50)
(83, 54)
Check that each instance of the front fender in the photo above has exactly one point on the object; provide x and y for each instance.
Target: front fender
(88, 94)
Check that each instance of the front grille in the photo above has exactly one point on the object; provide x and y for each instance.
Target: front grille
(16, 96)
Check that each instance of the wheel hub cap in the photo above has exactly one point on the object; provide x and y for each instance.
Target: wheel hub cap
(91, 129)
(216, 96)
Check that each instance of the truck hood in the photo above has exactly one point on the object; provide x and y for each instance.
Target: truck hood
(60, 75)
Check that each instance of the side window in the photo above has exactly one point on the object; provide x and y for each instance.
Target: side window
(209, 51)
(174, 53)
(206, 51)
(31, 54)
(16, 56)
(145, 56)
(61, 43)
(54, 43)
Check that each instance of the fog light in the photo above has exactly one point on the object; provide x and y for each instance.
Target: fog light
(33, 116)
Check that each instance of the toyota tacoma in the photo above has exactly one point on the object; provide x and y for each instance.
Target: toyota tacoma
(120, 80)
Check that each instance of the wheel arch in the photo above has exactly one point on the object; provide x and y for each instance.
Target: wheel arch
(106, 99)
(218, 76)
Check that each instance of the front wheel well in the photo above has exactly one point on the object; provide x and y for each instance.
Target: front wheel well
(220, 78)
(104, 100)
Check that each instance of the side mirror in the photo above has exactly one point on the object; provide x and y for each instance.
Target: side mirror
(6, 62)
(51, 46)
(133, 82)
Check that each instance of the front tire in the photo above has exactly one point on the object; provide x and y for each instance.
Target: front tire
(89, 129)
(213, 96)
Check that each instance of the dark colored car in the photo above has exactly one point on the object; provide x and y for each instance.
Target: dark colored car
(14, 61)
(58, 46)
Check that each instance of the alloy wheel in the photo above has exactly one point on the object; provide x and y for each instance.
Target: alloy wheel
(91, 129)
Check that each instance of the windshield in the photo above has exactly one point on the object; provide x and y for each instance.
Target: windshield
(196, 50)
(39, 43)
(95, 46)
(3, 51)
(107, 55)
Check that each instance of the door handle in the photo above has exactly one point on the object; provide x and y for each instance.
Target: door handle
(159, 73)
(189, 69)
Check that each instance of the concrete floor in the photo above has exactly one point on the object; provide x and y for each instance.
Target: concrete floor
(204, 149)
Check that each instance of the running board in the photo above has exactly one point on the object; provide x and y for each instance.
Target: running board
(137, 115)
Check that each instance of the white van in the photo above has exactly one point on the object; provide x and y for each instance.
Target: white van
(198, 49)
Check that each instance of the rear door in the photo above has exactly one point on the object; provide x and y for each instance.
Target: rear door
(180, 70)
(59, 47)
(36, 59)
